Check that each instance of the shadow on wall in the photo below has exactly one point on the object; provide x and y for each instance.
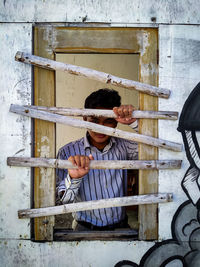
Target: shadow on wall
(184, 247)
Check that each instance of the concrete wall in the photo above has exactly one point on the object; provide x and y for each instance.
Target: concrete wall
(178, 70)
(128, 11)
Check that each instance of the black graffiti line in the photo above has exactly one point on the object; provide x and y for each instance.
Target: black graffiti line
(188, 224)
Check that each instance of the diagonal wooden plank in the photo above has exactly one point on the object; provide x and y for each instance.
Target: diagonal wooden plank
(91, 74)
(96, 204)
(43, 115)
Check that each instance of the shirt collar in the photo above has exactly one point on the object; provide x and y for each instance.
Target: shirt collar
(107, 147)
(86, 142)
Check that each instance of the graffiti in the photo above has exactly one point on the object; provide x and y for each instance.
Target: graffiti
(189, 125)
(183, 250)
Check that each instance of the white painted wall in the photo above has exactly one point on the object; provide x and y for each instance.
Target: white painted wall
(106, 11)
(15, 84)
(70, 254)
(178, 71)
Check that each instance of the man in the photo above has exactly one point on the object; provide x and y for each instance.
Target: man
(83, 184)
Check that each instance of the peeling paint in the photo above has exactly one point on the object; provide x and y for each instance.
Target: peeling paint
(44, 139)
(148, 69)
(143, 41)
(48, 35)
(14, 131)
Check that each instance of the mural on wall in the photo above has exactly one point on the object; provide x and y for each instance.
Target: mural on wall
(184, 247)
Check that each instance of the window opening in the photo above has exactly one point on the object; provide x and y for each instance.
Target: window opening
(109, 40)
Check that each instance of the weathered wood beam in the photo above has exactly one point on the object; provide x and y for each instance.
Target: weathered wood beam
(96, 204)
(94, 164)
(43, 115)
(91, 74)
(70, 235)
(138, 114)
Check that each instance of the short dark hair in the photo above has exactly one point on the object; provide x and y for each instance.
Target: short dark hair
(103, 98)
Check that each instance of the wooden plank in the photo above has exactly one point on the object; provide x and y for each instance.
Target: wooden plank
(70, 235)
(91, 74)
(148, 179)
(105, 40)
(44, 135)
(94, 164)
(138, 114)
(96, 204)
(43, 115)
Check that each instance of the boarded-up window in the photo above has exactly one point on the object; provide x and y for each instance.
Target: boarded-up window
(91, 46)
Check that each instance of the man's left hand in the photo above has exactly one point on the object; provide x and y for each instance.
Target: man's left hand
(124, 114)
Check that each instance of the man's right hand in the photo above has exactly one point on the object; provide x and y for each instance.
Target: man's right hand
(82, 162)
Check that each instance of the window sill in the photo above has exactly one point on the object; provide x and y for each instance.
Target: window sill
(70, 235)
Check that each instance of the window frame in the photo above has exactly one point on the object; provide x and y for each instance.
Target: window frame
(51, 39)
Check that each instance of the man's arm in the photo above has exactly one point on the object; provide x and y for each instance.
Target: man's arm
(124, 116)
(82, 162)
(68, 181)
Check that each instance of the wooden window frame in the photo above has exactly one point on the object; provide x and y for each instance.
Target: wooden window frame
(52, 39)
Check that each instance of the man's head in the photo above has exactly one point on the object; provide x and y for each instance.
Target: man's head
(102, 99)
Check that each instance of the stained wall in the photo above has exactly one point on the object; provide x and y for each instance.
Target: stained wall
(179, 57)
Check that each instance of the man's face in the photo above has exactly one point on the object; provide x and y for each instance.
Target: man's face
(97, 139)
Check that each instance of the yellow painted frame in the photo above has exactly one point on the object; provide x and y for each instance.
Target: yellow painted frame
(51, 39)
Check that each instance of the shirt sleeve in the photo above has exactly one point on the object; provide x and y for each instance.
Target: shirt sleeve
(64, 183)
(134, 125)
(132, 150)
(132, 146)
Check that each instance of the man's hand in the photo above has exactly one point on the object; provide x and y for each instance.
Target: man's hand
(82, 162)
(124, 114)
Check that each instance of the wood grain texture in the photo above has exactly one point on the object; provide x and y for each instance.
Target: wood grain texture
(44, 143)
(123, 234)
(52, 117)
(95, 164)
(106, 78)
(96, 204)
(148, 179)
(138, 114)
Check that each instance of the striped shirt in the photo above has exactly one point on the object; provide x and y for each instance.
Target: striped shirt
(97, 184)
